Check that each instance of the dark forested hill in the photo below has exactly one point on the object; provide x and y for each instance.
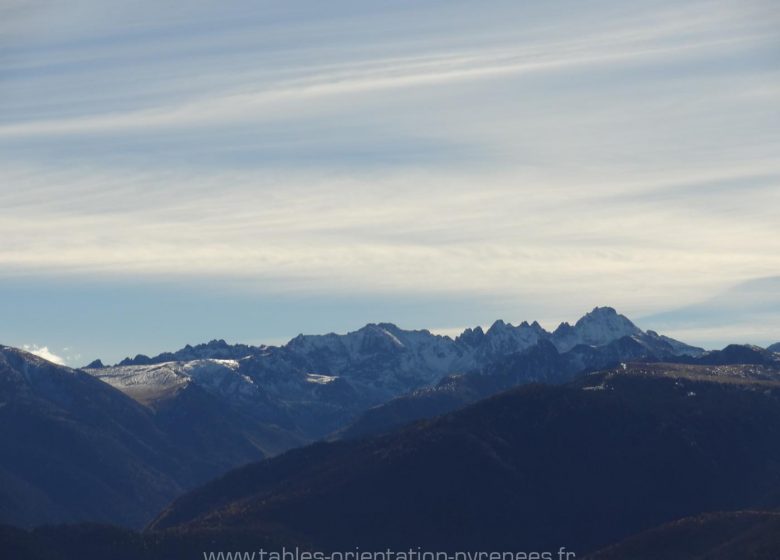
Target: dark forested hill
(581, 466)
(73, 448)
(740, 535)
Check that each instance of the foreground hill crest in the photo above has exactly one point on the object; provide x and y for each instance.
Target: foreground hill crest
(513, 468)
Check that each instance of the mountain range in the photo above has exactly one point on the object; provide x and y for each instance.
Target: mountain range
(317, 384)
(151, 427)
(503, 425)
(540, 363)
(667, 460)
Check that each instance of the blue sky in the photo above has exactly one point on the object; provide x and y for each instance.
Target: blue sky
(172, 172)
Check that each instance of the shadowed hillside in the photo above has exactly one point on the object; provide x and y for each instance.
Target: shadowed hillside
(582, 466)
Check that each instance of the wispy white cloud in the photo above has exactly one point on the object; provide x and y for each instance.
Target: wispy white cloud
(264, 99)
(746, 312)
(45, 353)
(399, 233)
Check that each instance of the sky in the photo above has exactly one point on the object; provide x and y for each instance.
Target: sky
(173, 172)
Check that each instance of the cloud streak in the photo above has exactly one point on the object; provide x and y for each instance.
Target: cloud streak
(371, 77)
(386, 235)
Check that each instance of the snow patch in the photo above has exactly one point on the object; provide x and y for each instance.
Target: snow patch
(392, 337)
(601, 387)
(320, 379)
(215, 375)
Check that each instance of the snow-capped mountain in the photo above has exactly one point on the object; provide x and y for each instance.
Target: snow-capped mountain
(604, 325)
(213, 350)
(199, 411)
(501, 339)
(600, 326)
(315, 384)
(392, 360)
(148, 383)
(381, 359)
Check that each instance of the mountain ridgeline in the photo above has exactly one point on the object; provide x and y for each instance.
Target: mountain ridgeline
(617, 456)
(115, 444)
(432, 352)
(541, 363)
(510, 438)
(318, 384)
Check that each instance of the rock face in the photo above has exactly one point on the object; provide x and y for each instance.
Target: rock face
(541, 363)
(599, 327)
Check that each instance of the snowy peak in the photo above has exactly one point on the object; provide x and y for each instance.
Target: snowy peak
(381, 337)
(606, 316)
(380, 358)
(498, 327)
(603, 325)
(471, 337)
(372, 339)
(504, 338)
(377, 361)
(599, 327)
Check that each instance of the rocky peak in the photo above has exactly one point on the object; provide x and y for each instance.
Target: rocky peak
(381, 337)
(471, 337)
(563, 329)
(498, 326)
